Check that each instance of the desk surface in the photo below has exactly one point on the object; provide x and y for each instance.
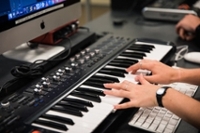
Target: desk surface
(135, 26)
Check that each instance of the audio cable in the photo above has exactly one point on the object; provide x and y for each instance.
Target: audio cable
(35, 69)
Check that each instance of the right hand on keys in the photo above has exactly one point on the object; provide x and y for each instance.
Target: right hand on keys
(161, 73)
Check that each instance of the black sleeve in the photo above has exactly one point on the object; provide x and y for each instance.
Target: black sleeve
(190, 2)
(197, 31)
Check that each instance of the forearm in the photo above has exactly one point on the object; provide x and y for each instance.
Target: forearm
(183, 106)
(191, 76)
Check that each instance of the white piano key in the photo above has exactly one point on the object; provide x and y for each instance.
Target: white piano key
(102, 74)
(110, 66)
(48, 128)
(90, 119)
(88, 122)
(125, 57)
(158, 52)
(97, 106)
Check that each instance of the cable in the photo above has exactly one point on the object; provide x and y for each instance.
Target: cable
(10, 82)
(34, 69)
(34, 45)
(181, 51)
(86, 28)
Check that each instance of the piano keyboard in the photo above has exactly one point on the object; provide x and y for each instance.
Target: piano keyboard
(85, 118)
(70, 98)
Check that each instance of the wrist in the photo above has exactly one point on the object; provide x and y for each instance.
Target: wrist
(160, 93)
(179, 75)
(176, 76)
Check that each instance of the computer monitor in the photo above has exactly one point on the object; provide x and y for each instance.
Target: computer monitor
(24, 20)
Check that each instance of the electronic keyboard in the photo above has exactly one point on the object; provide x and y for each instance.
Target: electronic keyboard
(70, 97)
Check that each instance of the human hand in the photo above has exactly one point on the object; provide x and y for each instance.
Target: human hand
(143, 95)
(161, 73)
(187, 26)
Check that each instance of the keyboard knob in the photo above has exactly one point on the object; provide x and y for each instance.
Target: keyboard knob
(45, 79)
(74, 65)
(39, 86)
(61, 71)
(46, 84)
(77, 56)
(83, 52)
(97, 51)
(81, 61)
(56, 78)
(59, 74)
(68, 69)
(87, 50)
(87, 57)
(38, 91)
(72, 59)
(92, 54)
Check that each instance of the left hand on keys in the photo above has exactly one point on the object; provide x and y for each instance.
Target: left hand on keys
(143, 95)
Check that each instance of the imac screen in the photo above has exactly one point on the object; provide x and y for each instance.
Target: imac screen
(24, 20)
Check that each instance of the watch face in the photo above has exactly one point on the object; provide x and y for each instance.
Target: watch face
(160, 91)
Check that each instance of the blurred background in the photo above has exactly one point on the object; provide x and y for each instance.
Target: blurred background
(92, 9)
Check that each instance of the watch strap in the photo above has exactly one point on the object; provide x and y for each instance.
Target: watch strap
(159, 97)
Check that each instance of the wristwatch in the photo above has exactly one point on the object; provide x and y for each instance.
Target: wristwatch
(160, 93)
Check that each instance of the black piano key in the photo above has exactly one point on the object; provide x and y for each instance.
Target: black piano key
(112, 72)
(67, 110)
(139, 49)
(135, 53)
(132, 55)
(128, 61)
(93, 91)
(58, 119)
(144, 46)
(94, 83)
(76, 106)
(115, 70)
(118, 64)
(51, 124)
(79, 101)
(100, 80)
(147, 47)
(87, 96)
(106, 77)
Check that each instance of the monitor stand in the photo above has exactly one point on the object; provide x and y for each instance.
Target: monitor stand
(27, 54)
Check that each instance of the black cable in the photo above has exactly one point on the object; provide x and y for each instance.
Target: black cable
(34, 45)
(7, 84)
(86, 28)
(34, 69)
